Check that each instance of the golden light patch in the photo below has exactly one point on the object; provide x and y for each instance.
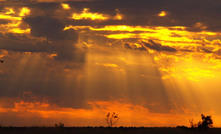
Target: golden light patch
(88, 15)
(24, 11)
(3, 16)
(118, 17)
(171, 36)
(9, 11)
(122, 36)
(2, 55)
(138, 45)
(187, 66)
(15, 21)
(162, 14)
(189, 46)
(110, 65)
(53, 55)
(18, 30)
(65, 6)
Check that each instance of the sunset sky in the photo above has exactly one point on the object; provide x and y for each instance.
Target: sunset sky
(154, 62)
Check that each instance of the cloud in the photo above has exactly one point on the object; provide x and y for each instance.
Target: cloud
(51, 28)
(141, 12)
(145, 12)
(157, 46)
(134, 47)
(63, 41)
(126, 45)
(57, 40)
(43, 113)
(24, 44)
(68, 86)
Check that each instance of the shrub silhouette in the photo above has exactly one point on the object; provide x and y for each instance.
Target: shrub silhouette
(112, 119)
(192, 124)
(207, 122)
(60, 125)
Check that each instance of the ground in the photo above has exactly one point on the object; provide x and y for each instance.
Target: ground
(103, 130)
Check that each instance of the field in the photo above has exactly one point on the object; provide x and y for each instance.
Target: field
(103, 130)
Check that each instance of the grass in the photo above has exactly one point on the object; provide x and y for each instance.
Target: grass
(105, 130)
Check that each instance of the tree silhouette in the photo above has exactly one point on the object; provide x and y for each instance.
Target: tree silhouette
(207, 122)
(60, 125)
(112, 119)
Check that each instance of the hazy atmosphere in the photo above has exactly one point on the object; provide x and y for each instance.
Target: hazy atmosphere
(153, 62)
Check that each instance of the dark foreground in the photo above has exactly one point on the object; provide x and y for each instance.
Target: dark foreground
(102, 130)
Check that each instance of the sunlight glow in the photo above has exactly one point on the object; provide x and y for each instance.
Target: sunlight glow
(65, 6)
(108, 64)
(3, 53)
(186, 66)
(2, 16)
(170, 36)
(18, 30)
(9, 11)
(191, 44)
(88, 15)
(162, 14)
(119, 17)
(15, 20)
(24, 11)
(52, 56)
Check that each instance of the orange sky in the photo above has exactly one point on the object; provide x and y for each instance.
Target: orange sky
(73, 62)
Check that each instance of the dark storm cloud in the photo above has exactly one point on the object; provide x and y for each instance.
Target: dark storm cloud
(157, 46)
(57, 40)
(51, 28)
(23, 44)
(151, 45)
(47, 37)
(42, 77)
(63, 41)
(136, 12)
(65, 51)
(144, 12)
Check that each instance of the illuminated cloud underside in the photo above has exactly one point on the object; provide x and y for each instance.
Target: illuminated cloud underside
(189, 44)
(95, 16)
(162, 14)
(65, 6)
(15, 20)
(87, 15)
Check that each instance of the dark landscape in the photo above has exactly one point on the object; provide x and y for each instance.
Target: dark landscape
(105, 130)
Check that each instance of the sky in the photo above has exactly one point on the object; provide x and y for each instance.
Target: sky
(153, 62)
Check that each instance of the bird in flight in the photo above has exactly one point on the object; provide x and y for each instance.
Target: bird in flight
(1, 61)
